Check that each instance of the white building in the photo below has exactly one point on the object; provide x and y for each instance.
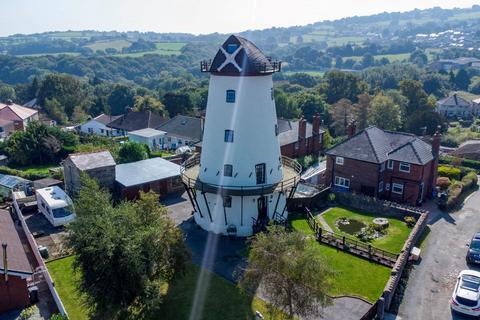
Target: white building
(55, 205)
(151, 137)
(98, 125)
(240, 182)
(181, 131)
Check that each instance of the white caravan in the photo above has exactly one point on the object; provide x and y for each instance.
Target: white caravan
(55, 205)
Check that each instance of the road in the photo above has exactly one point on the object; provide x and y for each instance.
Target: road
(431, 282)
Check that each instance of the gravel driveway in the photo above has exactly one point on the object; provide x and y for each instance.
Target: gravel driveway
(431, 282)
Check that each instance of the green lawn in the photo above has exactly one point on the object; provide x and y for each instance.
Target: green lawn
(37, 170)
(354, 276)
(105, 44)
(397, 231)
(223, 300)
(62, 273)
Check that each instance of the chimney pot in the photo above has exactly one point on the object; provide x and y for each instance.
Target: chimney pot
(9, 102)
(352, 128)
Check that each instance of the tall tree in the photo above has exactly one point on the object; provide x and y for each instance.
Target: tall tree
(342, 113)
(290, 271)
(120, 98)
(342, 85)
(131, 152)
(462, 80)
(413, 91)
(384, 113)
(177, 103)
(127, 253)
(310, 103)
(285, 106)
(148, 103)
(360, 110)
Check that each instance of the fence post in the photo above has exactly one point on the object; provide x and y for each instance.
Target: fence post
(320, 234)
(370, 252)
(343, 241)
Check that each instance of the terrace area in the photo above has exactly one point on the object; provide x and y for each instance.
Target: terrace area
(191, 169)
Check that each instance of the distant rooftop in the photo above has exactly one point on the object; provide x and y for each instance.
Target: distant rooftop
(22, 112)
(144, 171)
(88, 161)
(105, 118)
(147, 132)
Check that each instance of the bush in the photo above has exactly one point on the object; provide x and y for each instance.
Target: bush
(454, 192)
(443, 183)
(450, 172)
(58, 317)
(331, 197)
(410, 221)
(22, 174)
(470, 180)
(28, 313)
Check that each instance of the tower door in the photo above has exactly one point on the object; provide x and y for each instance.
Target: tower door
(262, 208)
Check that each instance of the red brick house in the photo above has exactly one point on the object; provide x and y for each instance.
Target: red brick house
(389, 165)
(17, 269)
(300, 138)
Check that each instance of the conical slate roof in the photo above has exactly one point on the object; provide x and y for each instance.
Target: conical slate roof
(239, 56)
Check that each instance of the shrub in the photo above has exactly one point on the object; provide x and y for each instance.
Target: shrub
(27, 313)
(450, 172)
(58, 317)
(22, 174)
(410, 221)
(331, 197)
(470, 180)
(443, 183)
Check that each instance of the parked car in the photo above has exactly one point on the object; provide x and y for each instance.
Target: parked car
(473, 255)
(466, 295)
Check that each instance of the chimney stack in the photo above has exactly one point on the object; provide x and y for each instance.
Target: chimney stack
(302, 137)
(352, 128)
(317, 138)
(437, 137)
(436, 154)
(9, 102)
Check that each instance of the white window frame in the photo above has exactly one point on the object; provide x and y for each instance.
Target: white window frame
(390, 164)
(404, 164)
(342, 182)
(387, 186)
(339, 160)
(399, 186)
(380, 186)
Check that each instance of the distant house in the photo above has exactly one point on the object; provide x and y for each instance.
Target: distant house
(300, 138)
(453, 64)
(151, 137)
(181, 131)
(133, 120)
(455, 106)
(468, 150)
(14, 275)
(156, 174)
(21, 116)
(98, 125)
(98, 165)
(389, 165)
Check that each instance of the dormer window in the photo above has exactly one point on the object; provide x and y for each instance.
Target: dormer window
(230, 97)
(232, 47)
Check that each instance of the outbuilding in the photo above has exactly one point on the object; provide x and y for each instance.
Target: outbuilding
(151, 137)
(156, 174)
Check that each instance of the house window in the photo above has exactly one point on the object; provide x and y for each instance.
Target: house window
(404, 166)
(390, 164)
(179, 141)
(227, 170)
(227, 201)
(380, 186)
(101, 130)
(342, 182)
(228, 135)
(260, 173)
(230, 96)
(276, 130)
(232, 47)
(387, 187)
(339, 161)
(397, 188)
(382, 166)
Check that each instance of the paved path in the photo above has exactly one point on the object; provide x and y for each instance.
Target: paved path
(322, 221)
(431, 282)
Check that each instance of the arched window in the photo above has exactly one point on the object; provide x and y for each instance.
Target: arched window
(230, 98)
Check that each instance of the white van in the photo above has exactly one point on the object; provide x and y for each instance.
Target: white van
(55, 205)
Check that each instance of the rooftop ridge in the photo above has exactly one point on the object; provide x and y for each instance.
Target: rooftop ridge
(371, 143)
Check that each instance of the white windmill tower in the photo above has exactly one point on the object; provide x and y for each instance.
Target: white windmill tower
(240, 181)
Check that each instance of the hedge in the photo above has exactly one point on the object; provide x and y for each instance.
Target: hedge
(450, 172)
(20, 173)
(469, 181)
(473, 164)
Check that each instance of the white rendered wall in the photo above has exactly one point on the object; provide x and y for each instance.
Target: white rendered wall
(234, 213)
(252, 118)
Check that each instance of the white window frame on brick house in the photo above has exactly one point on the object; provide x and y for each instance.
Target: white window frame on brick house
(405, 165)
(387, 186)
(339, 160)
(342, 182)
(397, 186)
(390, 164)
(380, 186)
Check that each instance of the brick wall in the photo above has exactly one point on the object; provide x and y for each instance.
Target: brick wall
(14, 294)
(359, 173)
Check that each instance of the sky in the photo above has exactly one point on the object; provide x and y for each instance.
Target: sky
(192, 16)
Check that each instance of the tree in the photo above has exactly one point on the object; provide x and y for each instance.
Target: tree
(148, 103)
(342, 85)
(290, 271)
(419, 57)
(462, 80)
(131, 152)
(120, 98)
(7, 93)
(384, 113)
(177, 103)
(367, 60)
(360, 110)
(413, 91)
(55, 110)
(303, 79)
(309, 104)
(420, 119)
(341, 113)
(125, 254)
(474, 86)
(285, 106)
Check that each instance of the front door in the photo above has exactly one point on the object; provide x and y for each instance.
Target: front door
(262, 209)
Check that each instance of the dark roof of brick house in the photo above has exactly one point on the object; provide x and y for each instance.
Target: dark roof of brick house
(16, 256)
(183, 126)
(377, 146)
(288, 131)
(454, 100)
(133, 120)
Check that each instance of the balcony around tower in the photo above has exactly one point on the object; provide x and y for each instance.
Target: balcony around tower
(291, 176)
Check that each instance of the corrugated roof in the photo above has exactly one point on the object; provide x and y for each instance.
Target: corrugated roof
(144, 171)
(11, 181)
(17, 257)
(87, 161)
